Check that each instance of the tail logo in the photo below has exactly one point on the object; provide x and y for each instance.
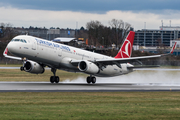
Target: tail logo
(126, 50)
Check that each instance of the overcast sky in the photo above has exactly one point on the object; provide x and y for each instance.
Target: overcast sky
(66, 13)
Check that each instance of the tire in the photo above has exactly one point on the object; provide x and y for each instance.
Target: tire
(88, 80)
(56, 79)
(52, 79)
(93, 79)
(22, 68)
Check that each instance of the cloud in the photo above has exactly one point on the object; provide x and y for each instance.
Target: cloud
(93, 6)
(68, 19)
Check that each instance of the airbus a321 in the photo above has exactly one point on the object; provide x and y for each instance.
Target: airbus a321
(37, 53)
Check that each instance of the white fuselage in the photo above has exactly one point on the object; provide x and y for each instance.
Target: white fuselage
(58, 55)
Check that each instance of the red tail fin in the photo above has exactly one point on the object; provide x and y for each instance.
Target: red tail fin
(126, 48)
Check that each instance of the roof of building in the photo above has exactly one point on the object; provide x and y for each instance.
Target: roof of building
(60, 39)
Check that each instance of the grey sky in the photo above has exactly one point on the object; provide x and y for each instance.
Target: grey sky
(94, 6)
(66, 13)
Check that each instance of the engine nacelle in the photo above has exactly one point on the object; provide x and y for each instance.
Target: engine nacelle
(33, 67)
(88, 67)
(126, 68)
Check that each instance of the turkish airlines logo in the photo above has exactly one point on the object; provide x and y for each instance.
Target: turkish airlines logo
(126, 49)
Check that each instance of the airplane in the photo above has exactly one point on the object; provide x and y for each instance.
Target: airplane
(37, 53)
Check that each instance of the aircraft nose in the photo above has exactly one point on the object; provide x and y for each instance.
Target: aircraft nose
(11, 47)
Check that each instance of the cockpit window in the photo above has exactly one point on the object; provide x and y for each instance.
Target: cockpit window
(25, 41)
(16, 39)
(19, 40)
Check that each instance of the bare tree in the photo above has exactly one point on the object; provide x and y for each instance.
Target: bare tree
(120, 29)
(94, 28)
(7, 32)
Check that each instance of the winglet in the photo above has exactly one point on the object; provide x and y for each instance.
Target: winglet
(172, 50)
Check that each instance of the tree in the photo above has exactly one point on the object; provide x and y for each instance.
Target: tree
(82, 28)
(94, 28)
(7, 32)
(120, 30)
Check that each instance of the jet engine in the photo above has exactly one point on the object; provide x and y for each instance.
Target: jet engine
(33, 67)
(127, 68)
(88, 67)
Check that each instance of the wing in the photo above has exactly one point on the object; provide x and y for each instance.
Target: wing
(113, 61)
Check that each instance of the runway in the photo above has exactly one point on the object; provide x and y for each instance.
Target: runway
(140, 80)
(82, 87)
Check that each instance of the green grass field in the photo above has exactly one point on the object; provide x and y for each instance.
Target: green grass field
(90, 105)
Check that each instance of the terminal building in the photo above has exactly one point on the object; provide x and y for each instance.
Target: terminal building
(155, 37)
(155, 40)
(44, 33)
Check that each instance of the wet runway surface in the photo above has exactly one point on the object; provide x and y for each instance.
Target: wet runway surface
(82, 87)
(149, 79)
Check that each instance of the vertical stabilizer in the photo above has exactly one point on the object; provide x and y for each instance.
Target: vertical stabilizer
(126, 48)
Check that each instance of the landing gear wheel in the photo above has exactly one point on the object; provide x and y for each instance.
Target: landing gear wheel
(56, 79)
(52, 78)
(88, 80)
(93, 79)
(22, 68)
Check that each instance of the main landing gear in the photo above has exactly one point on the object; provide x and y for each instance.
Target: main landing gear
(91, 79)
(54, 78)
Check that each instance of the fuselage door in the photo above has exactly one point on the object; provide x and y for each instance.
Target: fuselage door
(34, 44)
(59, 52)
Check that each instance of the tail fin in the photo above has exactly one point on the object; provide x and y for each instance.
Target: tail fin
(126, 48)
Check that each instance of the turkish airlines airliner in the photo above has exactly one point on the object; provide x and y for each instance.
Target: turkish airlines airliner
(37, 53)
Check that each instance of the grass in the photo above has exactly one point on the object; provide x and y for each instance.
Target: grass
(90, 105)
(84, 105)
(10, 65)
(17, 75)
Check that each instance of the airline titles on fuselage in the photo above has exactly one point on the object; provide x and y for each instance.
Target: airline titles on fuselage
(55, 45)
(52, 45)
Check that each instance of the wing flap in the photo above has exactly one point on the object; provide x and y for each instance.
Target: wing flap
(144, 66)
